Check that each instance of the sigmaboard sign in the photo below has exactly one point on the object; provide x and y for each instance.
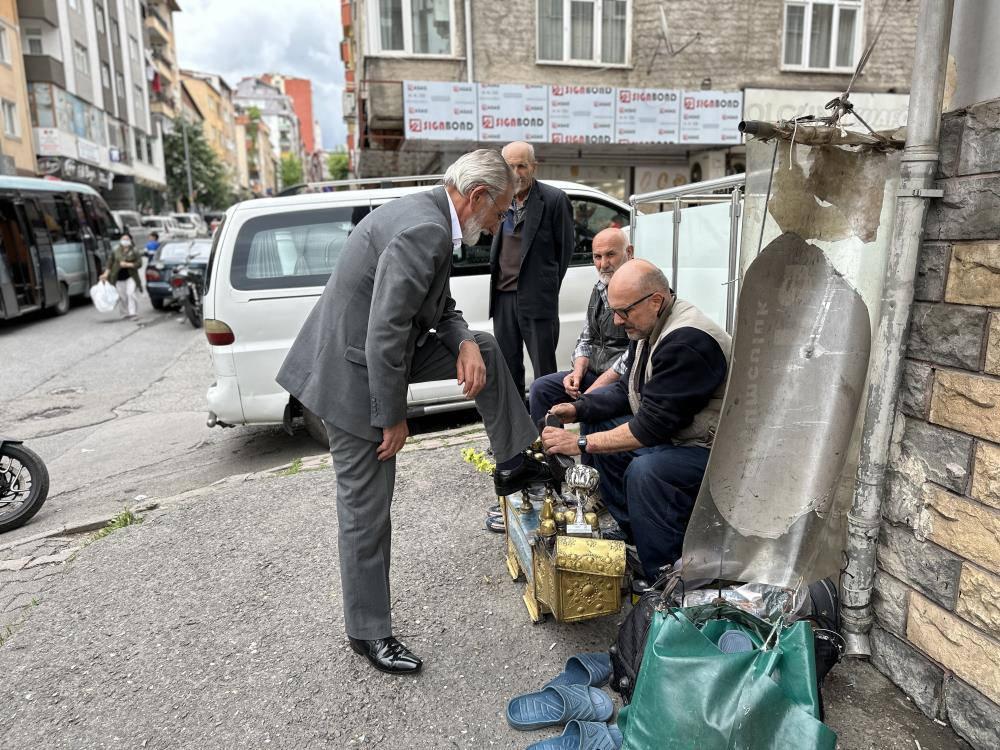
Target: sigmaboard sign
(558, 113)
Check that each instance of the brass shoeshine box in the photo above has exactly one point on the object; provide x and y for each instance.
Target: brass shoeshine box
(570, 577)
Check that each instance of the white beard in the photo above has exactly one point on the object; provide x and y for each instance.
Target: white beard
(471, 231)
(605, 277)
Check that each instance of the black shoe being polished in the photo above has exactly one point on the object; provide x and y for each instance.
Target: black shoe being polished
(387, 655)
(531, 471)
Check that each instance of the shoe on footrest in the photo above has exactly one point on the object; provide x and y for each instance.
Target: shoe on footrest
(387, 655)
(531, 471)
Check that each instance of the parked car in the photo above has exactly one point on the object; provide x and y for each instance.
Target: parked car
(55, 239)
(165, 226)
(160, 270)
(191, 223)
(131, 222)
(272, 257)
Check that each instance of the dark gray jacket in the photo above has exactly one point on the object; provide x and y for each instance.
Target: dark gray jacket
(350, 362)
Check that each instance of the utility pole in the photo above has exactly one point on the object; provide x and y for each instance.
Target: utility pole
(187, 164)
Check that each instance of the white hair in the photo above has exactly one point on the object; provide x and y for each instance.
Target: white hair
(483, 167)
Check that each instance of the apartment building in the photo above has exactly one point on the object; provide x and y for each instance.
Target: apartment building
(626, 95)
(277, 111)
(213, 98)
(258, 168)
(85, 65)
(17, 154)
(163, 71)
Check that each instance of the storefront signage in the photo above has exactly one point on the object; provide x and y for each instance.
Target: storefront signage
(48, 141)
(88, 151)
(486, 112)
(711, 116)
(75, 171)
(440, 111)
(581, 114)
(647, 115)
(512, 112)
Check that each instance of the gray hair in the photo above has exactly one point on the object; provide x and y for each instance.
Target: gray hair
(483, 167)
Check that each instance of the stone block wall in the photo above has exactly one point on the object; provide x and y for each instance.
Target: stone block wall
(937, 589)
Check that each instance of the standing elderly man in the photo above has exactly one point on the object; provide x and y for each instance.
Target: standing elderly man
(528, 261)
(650, 433)
(386, 319)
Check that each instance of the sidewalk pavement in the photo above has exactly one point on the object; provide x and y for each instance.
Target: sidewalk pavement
(217, 623)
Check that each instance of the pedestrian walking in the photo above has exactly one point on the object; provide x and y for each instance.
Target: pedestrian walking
(123, 272)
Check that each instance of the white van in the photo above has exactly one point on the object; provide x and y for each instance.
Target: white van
(272, 257)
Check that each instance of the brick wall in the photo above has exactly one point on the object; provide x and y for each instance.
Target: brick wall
(937, 590)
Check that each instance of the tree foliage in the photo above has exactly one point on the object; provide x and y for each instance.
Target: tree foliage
(209, 181)
(336, 164)
(291, 170)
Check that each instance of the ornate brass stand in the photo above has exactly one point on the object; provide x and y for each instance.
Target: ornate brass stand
(569, 571)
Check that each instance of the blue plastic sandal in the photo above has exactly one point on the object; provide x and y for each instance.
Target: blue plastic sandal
(583, 735)
(557, 705)
(592, 669)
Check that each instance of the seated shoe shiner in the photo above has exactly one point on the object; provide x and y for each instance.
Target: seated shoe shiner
(650, 433)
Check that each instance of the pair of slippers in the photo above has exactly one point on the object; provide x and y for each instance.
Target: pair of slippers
(494, 520)
(571, 698)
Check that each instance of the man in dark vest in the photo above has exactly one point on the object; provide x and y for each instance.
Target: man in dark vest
(597, 358)
(528, 260)
(650, 433)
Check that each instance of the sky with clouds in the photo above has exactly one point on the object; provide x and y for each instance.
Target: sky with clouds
(238, 38)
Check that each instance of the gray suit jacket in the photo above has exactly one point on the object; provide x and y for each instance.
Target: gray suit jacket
(351, 361)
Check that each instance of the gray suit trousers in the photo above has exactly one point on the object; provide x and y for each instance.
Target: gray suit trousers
(365, 484)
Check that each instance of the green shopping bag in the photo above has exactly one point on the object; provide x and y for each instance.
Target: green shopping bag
(689, 695)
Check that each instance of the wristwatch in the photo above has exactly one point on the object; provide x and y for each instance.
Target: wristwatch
(581, 443)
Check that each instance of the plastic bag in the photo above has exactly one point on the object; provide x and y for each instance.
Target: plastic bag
(104, 296)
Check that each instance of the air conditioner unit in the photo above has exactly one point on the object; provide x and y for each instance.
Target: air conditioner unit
(349, 104)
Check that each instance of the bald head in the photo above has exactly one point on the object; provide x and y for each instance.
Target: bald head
(520, 156)
(610, 248)
(638, 292)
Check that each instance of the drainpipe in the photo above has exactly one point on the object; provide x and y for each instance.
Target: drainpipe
(469, 67)
(917, 172)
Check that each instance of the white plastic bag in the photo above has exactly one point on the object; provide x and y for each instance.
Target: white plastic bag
(104, 296)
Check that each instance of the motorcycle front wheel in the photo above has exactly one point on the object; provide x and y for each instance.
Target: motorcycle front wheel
(193, 312)
(24, 485)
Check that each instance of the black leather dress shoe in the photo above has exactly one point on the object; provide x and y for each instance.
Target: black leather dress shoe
(531, 471)
(387, 655)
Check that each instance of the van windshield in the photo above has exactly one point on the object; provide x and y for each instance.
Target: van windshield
(294, 249)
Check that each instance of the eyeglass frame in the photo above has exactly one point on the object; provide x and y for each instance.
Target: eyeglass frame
(501, 215)
(623, 312)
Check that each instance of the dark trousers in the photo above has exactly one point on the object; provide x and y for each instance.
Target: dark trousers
(650, 492)
(548, 390)
(514, 332)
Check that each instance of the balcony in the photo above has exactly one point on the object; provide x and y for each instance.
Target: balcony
(44, 10)
(44, 69)
(158, 28)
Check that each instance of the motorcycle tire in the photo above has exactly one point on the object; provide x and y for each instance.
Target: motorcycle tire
(13, 455)
(193, 313)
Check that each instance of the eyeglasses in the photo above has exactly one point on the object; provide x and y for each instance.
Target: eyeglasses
(501, 215)
(622, 312)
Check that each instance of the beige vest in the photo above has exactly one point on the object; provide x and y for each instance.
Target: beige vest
(684, 315)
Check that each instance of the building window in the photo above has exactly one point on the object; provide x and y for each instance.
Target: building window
(133, 49)
(822, 35)
(412, 27)
(11, 127)
(120, 84)
(99, 17)
(584, 31)
(33, 41)
(74, 4)
(4, 45)
(105, 76)
(115, 34)
(80, 58)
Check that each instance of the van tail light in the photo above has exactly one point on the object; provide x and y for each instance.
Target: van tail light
(218, 333)
(177, 281)
(152, 274)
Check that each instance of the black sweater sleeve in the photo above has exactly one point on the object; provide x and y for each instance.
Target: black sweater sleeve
(608, 402)
(688, 367)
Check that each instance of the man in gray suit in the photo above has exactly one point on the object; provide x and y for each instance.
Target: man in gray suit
(386, 319)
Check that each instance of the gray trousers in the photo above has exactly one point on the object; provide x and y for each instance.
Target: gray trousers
(365, 484)
(515, 333)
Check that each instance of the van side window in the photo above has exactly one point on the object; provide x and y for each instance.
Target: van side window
(291, 250)
(68, 218)
(472, 260)
(589, 218)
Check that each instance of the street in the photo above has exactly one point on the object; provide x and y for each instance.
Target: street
(117, 410)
